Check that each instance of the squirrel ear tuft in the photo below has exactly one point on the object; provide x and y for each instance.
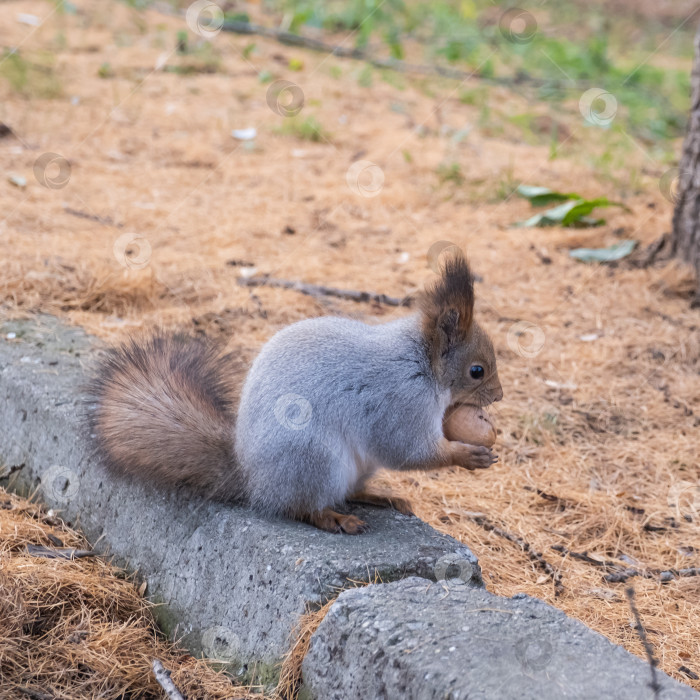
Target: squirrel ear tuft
(447, 307)
(454, 290)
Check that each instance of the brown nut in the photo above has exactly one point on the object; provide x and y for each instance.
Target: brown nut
(469, 424)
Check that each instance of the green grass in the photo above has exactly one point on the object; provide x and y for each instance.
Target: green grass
(576, 46)
(365, 77)
(474, 97)
(450, 172)
(561, 62)
(307, 129)
(193, 58)
(505, 186)
(30, 78)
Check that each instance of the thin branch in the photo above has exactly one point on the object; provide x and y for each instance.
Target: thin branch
(163, 677)
(583, 556)
(648, 649)
(104, 220)
(534, 556)
(317, 290)
(622, 575)
(670, 574)
(390, 63)
(35, 694)
(65, 553)
(617, 573)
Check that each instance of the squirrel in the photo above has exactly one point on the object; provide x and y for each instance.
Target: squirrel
(326, 402)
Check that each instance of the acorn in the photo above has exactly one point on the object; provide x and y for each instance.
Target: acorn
(470, 424)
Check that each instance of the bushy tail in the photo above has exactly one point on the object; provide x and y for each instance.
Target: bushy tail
(163, 412)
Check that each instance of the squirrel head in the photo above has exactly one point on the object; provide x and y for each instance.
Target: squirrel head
(461, 353)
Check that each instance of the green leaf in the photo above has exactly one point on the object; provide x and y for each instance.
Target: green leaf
(551, 217)
(614, 252)
(575, 212)
(539, 196)
(584, 207)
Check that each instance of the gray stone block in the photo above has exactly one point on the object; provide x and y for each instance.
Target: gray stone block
(418, 640)
(233, 583)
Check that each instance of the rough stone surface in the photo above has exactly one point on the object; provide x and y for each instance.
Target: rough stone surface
(417, 640)
(233, 583)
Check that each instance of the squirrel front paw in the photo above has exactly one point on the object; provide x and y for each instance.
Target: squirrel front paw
(472, 456)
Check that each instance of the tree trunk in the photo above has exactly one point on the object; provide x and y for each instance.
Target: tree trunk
(685, 236)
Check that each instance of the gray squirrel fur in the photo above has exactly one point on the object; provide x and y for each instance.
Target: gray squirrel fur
(326, 403)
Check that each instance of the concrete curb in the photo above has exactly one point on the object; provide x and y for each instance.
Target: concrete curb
(235, 585)
(415, 640)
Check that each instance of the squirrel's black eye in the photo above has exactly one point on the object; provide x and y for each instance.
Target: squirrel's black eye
(476, 371)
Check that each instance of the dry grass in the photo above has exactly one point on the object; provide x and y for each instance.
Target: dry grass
(599, 427)
(290, 675)
(75, 629)
(290, 672)
(78, 628)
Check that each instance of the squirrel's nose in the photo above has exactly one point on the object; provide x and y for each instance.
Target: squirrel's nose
(498, 393)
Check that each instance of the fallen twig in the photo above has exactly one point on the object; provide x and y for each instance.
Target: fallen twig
(104, 220)
(317, 290)
(534, 556)
(35, 694)
(617, 573)
(388, 63)
(563, 503)
(689, 673)
(622, 576)
(37, 550)
(649, 650)
(670, 574)
(163, 677)
(584, 556)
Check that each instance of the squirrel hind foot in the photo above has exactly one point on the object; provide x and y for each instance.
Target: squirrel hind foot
(383, 500)
(330, 521)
